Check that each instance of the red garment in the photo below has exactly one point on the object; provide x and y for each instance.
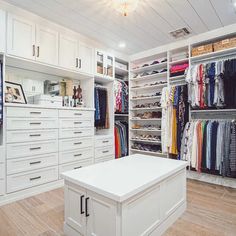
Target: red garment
(179, 68)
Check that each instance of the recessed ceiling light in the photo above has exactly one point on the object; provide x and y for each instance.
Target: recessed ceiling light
(234, 3)
(122, 45)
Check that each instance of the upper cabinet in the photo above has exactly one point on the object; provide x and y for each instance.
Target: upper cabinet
(3, 30)
(104, 65)
(46, 45)
(75, 55)
(20, 37)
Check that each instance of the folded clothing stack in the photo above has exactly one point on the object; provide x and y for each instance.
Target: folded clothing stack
(179, 56)
(179, 69)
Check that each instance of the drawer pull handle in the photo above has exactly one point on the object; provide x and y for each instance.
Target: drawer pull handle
(78, 114)
(77, 123)
(105, 151)
(35, 123)
(35, 178)
(105, 141)
(86, 207)
(78, 143)
(36, 148)
(35, 162)
(81, 205)
(79, 132)
(77, 155)
(75, 168)
(35, 112)
(35, 135)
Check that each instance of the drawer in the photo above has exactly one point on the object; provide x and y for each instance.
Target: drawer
(2, 170)
(75, 143)
(103, 159)
(31, 149)
(2, 187)
(31, 112)
(105, 151)
(74, 166)
(75, 133)
(76, 155)
(18, 165)
(69, 123)
(31, 179)
(76, 114)
(105, 141)
(21, 123)
(2, 154)
(31, 135)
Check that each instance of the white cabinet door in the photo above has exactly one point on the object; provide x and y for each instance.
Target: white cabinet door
(47, 41)
(101, 215)
(86, 58)
(20, 37)
(3, 30)
(110, 63)
(68, 48)
(100, 63)
(75, 208)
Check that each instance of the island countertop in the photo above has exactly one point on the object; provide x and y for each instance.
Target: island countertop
(123, 178)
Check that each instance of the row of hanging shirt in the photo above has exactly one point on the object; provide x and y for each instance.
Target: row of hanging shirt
(210, 146)
(121, 100)
(208, 84)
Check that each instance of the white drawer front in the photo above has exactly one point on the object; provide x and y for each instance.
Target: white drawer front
(76, 114)
(2, 187)
(67, 123)
(75, 133)
(103, 159)
(2, 170)
(105, 151)
(2, 154)
(20, 123)
(103, 142)
(76, 155)
(31, 149)
(73, 166)
(73, 144)
(31, 178)
(31, 112)
(18, 165)
(31, 135)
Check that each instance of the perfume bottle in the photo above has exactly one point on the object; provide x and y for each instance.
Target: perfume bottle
(74, 96)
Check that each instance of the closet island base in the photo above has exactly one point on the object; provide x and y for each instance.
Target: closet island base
(133, 196)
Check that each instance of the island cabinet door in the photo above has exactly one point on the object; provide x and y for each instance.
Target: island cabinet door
(101, 214)
(142, 213)
(75, 208)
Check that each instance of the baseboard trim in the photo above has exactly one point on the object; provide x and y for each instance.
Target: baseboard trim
(19, 195)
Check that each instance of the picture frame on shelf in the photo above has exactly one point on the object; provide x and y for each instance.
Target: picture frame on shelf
(14, 93)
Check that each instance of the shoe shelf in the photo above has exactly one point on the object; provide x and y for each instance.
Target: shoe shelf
(149, 87)
(152, 119)
(162, 75)
(145, 141)
(145, 98)
(161, 65)
(145, 108)
(146, 130)
(149, 152)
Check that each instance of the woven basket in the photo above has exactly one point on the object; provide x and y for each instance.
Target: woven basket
(202, 49)
(225, 44)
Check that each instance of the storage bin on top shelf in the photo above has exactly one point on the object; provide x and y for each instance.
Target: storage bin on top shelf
(203, 49)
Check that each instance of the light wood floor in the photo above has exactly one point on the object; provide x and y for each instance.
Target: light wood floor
(211, 212)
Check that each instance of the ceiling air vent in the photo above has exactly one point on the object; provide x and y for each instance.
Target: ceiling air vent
(180, 33)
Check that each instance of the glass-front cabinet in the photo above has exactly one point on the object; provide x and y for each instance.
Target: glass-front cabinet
(104, 65)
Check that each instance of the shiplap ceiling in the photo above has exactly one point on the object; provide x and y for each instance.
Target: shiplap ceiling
(147, 27)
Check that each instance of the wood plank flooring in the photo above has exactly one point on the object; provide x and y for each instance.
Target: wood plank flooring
(211, 211)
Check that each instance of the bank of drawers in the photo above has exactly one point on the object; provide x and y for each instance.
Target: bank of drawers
(76, 139)
(2, 171)
(32, 147)
(104, 148)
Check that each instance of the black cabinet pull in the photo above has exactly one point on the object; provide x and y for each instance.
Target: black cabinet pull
(81, 205)
(105, 151)
(77, 63)
(36, 148)
(77, 155)
(86, 207)
(80, 63)
(78, 143)
(77, 123)
(75, 168)
(38, 51)
(35, 112)
(33, 50)
(105, 141)
(78, 132)
(35, 178)
(35, 135)
(35, 162)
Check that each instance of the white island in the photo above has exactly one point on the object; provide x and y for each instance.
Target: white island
(133, 196)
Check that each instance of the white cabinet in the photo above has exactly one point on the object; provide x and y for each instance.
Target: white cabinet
(88, 213)
(75, 55)
(3, 30)
(104, 65)
(25, 39)
(86, 54)
(68, 48)
(47, 45)
(20, 37)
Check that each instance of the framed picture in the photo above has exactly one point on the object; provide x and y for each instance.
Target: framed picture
(14, 93)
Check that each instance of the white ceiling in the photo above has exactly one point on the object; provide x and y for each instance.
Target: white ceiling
(147, 27)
